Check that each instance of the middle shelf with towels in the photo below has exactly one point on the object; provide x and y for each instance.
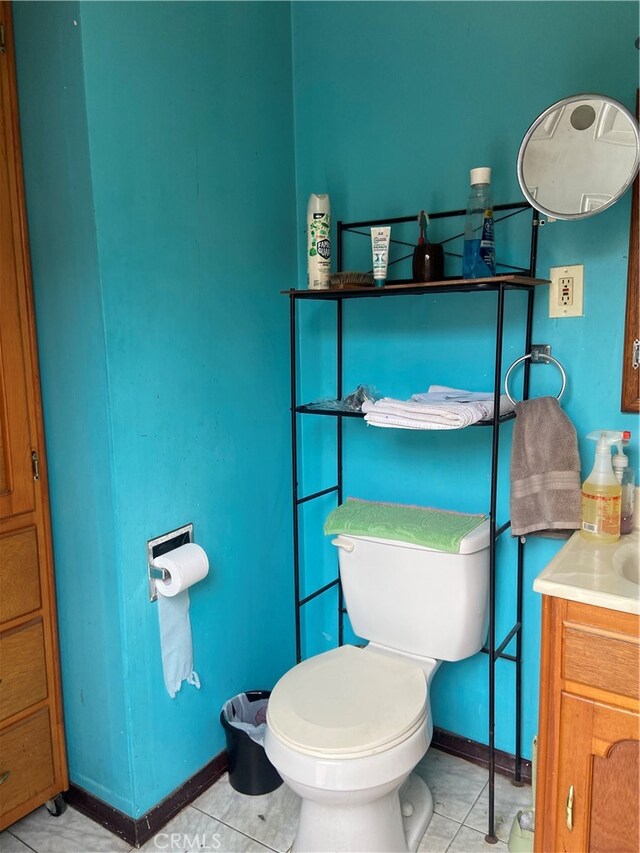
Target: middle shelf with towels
(441, 407)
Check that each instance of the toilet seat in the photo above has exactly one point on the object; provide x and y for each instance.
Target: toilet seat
(348, 703)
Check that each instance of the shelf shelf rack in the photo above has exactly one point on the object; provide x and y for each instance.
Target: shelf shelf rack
(521, 279)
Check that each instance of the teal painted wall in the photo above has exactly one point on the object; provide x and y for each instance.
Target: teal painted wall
(394, 103)
(181, 120)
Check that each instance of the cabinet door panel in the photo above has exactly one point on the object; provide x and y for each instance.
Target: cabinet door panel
(26, 764)
(19, 573)
(23, 669)
(573, 794)
(614, 806)
(598, 765)
(16, 480)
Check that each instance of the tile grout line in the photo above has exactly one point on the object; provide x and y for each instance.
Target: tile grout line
(235, 829)
(21, 841)
(499, 845)
(463, 824)
(513, 808)
(452, 820)
(448, 847)
(482, 790)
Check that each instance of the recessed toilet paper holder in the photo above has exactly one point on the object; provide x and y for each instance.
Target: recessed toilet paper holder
(162, 545)
(158, 574)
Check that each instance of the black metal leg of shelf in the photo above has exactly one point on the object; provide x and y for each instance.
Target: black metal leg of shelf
(533, 258)
(527, 345)
(339, 362)
(497, 380)
(517, 779)
(294, 474)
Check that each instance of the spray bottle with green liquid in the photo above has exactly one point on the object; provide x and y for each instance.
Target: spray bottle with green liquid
(601, 492)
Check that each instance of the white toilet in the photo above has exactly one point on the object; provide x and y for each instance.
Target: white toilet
(346, 728)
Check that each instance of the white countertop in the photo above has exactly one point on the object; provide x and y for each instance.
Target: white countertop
(596, 574)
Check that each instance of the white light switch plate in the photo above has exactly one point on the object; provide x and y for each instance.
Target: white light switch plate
(566, 291)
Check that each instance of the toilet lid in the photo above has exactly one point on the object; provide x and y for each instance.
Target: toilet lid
(348, 701)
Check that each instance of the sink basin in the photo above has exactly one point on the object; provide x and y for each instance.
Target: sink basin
(626, 563)
(604, 575)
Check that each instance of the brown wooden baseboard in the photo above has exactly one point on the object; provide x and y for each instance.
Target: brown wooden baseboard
(138, 830)
(478, 753)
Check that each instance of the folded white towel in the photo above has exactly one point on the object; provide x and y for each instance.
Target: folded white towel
(421, 413)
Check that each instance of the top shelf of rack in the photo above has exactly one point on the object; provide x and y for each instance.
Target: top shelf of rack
(464, 285)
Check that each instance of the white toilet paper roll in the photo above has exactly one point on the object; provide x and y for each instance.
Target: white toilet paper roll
(186, 565)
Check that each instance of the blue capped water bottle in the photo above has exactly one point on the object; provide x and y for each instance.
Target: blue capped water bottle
(479, 256)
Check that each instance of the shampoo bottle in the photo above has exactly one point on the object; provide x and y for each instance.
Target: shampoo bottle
(601, 493)
(479, 257)
(626, 477)
(318, 242)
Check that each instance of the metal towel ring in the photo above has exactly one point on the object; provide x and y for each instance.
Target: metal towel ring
(541, 359)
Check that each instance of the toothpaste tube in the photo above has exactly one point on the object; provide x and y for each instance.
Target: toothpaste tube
(380, 238)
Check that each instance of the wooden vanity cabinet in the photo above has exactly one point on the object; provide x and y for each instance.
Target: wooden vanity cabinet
(589, 739)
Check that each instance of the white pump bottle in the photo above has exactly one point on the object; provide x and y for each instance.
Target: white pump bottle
(601, 493)
(626, 477)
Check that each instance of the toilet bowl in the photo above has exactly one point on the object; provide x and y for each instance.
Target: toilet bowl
(345, 729)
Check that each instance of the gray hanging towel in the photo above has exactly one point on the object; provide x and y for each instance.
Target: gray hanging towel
(545, 471)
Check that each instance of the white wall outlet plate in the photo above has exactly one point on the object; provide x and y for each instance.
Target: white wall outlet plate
(566, 291)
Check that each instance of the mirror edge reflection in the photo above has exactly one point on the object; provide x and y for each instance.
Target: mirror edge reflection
(536, 123)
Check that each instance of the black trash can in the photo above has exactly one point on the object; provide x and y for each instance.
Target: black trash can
(244, 719)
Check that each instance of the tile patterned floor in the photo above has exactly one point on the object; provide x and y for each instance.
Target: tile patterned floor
(223, 821)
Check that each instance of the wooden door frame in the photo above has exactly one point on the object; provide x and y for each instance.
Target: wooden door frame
(630, 401)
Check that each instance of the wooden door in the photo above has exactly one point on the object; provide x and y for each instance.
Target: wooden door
(32, 756)
(597, 795)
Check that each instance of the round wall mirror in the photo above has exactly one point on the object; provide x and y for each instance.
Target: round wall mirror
(579, 156)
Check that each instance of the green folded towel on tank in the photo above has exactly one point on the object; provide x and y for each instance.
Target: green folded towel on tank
(419, 525)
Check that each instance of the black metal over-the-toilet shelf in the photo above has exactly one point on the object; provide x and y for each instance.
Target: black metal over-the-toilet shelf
(518, 279)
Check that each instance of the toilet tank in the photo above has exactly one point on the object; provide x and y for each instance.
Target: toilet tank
(417, 600)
